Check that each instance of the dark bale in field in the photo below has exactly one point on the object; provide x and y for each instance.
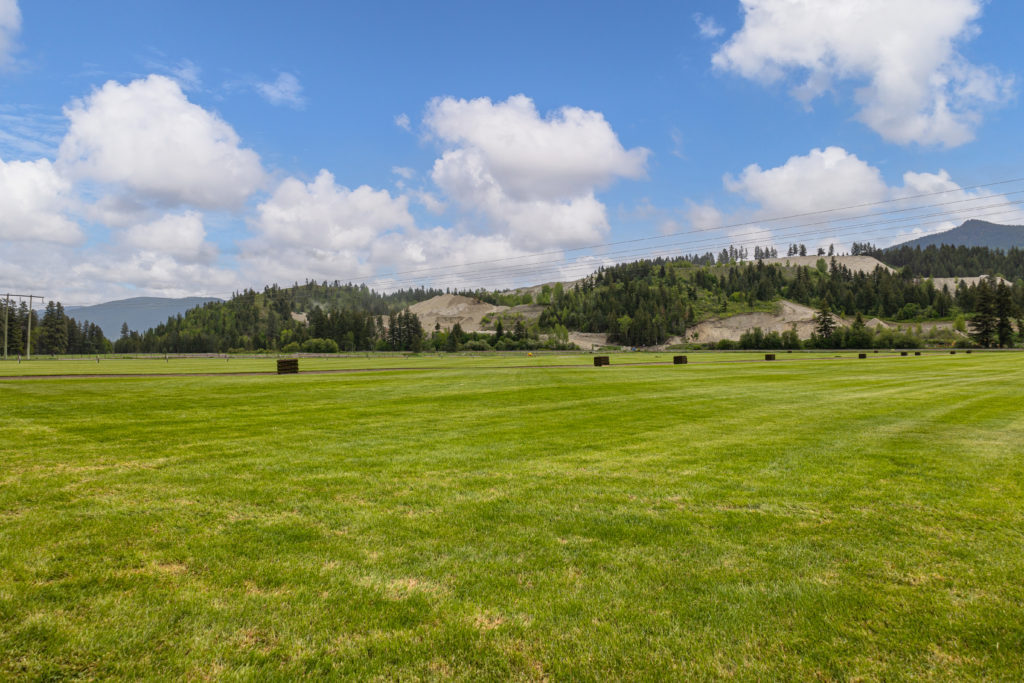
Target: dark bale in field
(769, 356)
(287, 366)
(679, 360)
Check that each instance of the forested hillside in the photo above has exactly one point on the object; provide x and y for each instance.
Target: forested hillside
(53, 333)
(642, 303)
(350, 315)
(973, 233)
(949, 261)
(646, 302)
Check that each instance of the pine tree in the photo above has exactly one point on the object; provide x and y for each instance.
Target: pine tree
(984, 323)
(824, 323)
(1004, 315)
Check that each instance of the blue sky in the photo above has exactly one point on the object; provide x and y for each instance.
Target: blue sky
(198, 148)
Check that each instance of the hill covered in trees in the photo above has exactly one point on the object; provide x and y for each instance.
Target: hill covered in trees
(646, 302)
(139, 313)
(641, 303)
(53, 333)
(972, 233)
(949, 261)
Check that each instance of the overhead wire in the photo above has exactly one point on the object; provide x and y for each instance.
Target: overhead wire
(504, 271)
(457, 273)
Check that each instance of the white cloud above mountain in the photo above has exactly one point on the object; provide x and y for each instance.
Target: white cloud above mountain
(181, 236)
(34, 200)
(822, 179)
(850, 200)
(532, 179)
(145, 138)
(913, 85)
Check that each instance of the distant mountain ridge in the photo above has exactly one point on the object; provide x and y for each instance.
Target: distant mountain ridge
(141, 312)
(972, 233)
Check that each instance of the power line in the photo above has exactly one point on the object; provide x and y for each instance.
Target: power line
(756, 222)
(502, 270)
(454, 273)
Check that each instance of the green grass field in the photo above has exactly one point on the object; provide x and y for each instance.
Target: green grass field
(158, 365)
(828, 520)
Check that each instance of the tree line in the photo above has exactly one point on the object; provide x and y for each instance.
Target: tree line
(346, 314)
(949, 261)
(52, 334)
(643, 303)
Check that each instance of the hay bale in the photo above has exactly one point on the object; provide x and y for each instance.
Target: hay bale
(679, 360)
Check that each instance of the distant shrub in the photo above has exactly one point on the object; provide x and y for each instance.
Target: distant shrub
(317, 345)
(291, 347)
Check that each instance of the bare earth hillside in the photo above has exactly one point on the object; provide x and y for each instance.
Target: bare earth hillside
(731, 328)
(952, 282)
(857, 264)
(447, 309)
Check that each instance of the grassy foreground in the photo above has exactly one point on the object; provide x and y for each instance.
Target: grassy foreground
(824, 520)
(157, 365)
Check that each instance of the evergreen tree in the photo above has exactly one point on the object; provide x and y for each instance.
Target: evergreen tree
(859, 336)
(984, 323)
(1004, 315)
(824, 323)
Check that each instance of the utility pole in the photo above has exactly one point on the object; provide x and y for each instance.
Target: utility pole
(28, 354)
(7, 310)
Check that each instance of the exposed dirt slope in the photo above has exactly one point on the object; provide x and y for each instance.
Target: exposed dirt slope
(787, 315)
(588, 341)
(953, 282)
(448, 309)
(858, 264)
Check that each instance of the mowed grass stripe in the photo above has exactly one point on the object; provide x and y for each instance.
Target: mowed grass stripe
(831, 520)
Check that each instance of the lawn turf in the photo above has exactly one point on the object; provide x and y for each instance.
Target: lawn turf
(758, 521)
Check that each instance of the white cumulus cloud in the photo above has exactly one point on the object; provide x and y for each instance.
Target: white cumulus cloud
(322, 229)
(823, 178)
(146, 138)
(531, 178)
(10, 26)
(914, 86)
(181, 236)
(567, 153)
(852, 202)
(326, 215)
(33, 201)
(285, 90)
(707, 26)
(146, 272)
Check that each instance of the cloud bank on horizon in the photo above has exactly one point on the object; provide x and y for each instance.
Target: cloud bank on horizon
(147, 191)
